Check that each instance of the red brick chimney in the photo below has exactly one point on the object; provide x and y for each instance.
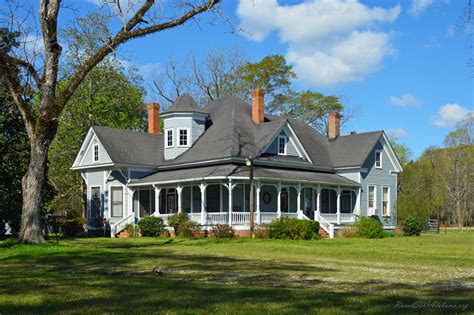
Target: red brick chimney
(334, 125)
(258, 105)
(154, 118)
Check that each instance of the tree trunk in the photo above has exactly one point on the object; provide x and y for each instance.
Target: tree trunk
(31, 231)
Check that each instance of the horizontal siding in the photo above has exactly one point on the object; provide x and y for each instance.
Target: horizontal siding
(290, 148)
(379, 178)
(196, 128)
(89, 156)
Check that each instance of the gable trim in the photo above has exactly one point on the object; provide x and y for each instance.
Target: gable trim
(86, 147)
(298, 146)
(392, 156)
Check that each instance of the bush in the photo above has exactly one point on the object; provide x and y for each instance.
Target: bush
(261, 231)
(223, 231)
(182, 225)
(411, 226)
(293, 229)
(131, 230)
(369, 228)
(151, 226)
(72, 227)
(348, 231)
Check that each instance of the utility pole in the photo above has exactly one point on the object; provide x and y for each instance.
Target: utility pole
(249, 163)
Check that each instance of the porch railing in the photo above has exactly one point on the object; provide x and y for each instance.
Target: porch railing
(120, 225)
(290, 214)
(325, 225)
(267, 217)
(217, 218)
(196, 217)
(241, 217)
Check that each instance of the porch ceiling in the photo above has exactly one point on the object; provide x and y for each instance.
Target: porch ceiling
(230, 170)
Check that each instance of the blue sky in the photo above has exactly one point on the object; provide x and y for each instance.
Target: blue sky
(403, 63)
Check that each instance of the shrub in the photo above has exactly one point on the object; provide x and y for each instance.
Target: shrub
(165, 234)
(369, 228)
(131, 230)
(411, 226)
(72, 227)
(293, 229)
(223, 231)
(348, 231)
(261, 231)
(182, 225)
(151, 226)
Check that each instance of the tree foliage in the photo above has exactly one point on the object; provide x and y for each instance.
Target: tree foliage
(227, 72)
(440, 182)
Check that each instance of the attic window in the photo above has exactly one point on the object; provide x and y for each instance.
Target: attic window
(282, 144)
(378, 159)
(183, 137)
(169, 138)
(96, 153)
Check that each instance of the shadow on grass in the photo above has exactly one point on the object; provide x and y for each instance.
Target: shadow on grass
(111, 277)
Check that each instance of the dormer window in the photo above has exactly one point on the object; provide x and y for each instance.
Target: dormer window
(378, 159)
(183, 134)
(282, 144)
(96, 152)
(169, 138)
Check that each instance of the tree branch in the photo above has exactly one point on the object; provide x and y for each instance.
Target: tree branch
(121, 37)
(26, 65)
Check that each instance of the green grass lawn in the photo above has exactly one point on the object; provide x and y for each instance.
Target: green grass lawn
(391, 275)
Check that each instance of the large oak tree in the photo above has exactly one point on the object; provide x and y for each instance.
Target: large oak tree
(41, 116)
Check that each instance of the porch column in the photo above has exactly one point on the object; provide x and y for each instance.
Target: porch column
(279, 200)
(357, 205)
(230, 200)
(318, 201)
(338, 205)
(257, 191)
(157, 200)
(298, 201)
(192, 199)
(202, 187)
(179, 190)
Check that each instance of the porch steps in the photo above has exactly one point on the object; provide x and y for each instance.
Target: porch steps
(323, 233)
(122, 234)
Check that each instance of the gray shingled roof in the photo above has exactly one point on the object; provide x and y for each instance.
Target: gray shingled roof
(243, 171)
(184, 104)
(131, 147)
(232, 133)
(352, 150)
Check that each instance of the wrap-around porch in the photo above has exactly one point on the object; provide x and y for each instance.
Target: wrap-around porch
(227, 201)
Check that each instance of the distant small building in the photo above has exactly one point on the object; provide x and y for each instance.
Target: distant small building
(198, 166)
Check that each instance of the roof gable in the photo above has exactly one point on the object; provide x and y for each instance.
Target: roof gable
(85, 156)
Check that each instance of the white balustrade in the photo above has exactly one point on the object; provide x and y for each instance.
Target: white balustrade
(267, 217)
(325, 225)
(217, 218)
(241, 217)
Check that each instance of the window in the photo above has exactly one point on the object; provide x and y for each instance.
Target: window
(282, 144)
(169, 138)
(117, 201)
(378, 159)
(183, 137)
(144, 201)
(95, 202)
(96, 153)
(371, 197)
(385, 201)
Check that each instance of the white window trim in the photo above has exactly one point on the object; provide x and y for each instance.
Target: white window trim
(188, 140)
(286, 145)
(110, 201)
(381, 160)
(94, 147)
(388, 202)
(371, 211)
(172, 138)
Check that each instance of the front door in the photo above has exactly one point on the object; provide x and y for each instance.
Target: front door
(95, 203)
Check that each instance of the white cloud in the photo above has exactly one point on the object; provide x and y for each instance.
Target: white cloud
(329, 41)
(432, 43)
(451, 31)
(417, 7)
(397, 133)
(406, 100)
(451, 114)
